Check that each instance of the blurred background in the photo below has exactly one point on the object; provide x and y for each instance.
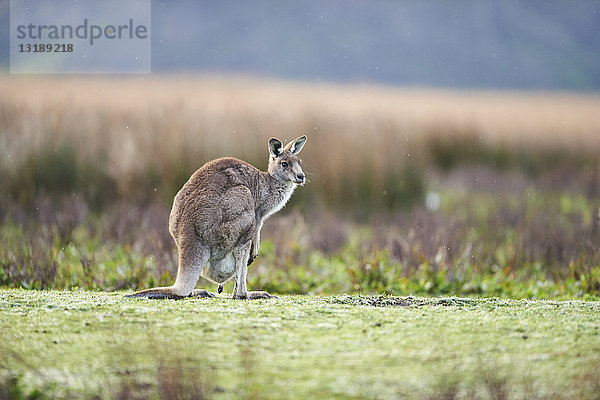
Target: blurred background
(464, 44)
(452, 148)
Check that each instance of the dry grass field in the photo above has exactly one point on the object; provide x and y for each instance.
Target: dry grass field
(162, 128)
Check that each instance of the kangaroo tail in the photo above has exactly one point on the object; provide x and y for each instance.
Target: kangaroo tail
(158, 293)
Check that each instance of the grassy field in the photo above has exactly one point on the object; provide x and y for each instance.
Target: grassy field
(83, 344)
(414, 196)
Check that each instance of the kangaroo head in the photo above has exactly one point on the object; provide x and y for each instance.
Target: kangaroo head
(284, 164)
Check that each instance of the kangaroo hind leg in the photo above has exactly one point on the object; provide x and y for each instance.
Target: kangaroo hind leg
(191, 261)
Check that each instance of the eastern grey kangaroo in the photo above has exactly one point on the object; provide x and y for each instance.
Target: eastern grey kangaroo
(217, 216)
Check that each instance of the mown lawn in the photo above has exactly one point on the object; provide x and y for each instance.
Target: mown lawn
(86, 344)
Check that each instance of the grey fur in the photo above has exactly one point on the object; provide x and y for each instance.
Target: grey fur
(217, 216)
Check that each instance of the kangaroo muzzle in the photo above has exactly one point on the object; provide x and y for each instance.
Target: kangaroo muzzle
(300, 178)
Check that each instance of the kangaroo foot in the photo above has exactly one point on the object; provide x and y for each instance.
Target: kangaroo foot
(220, 289)
(201, 293)
(259, 294)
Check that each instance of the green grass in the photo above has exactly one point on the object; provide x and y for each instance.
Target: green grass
(85, 344)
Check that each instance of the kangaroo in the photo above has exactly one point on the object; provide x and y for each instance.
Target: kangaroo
(217, 217)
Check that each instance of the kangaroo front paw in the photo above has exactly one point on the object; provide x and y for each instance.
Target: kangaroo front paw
(201, 293)
(259, 294)
(252, 258)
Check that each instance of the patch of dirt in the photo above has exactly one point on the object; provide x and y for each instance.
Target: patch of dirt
(452, 302)
(373, 301)
(392, 301)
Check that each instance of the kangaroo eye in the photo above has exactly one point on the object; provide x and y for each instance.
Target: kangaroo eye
(284, 164)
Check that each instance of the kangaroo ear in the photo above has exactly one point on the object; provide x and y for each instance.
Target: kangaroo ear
(275, 147)
(295, 146)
